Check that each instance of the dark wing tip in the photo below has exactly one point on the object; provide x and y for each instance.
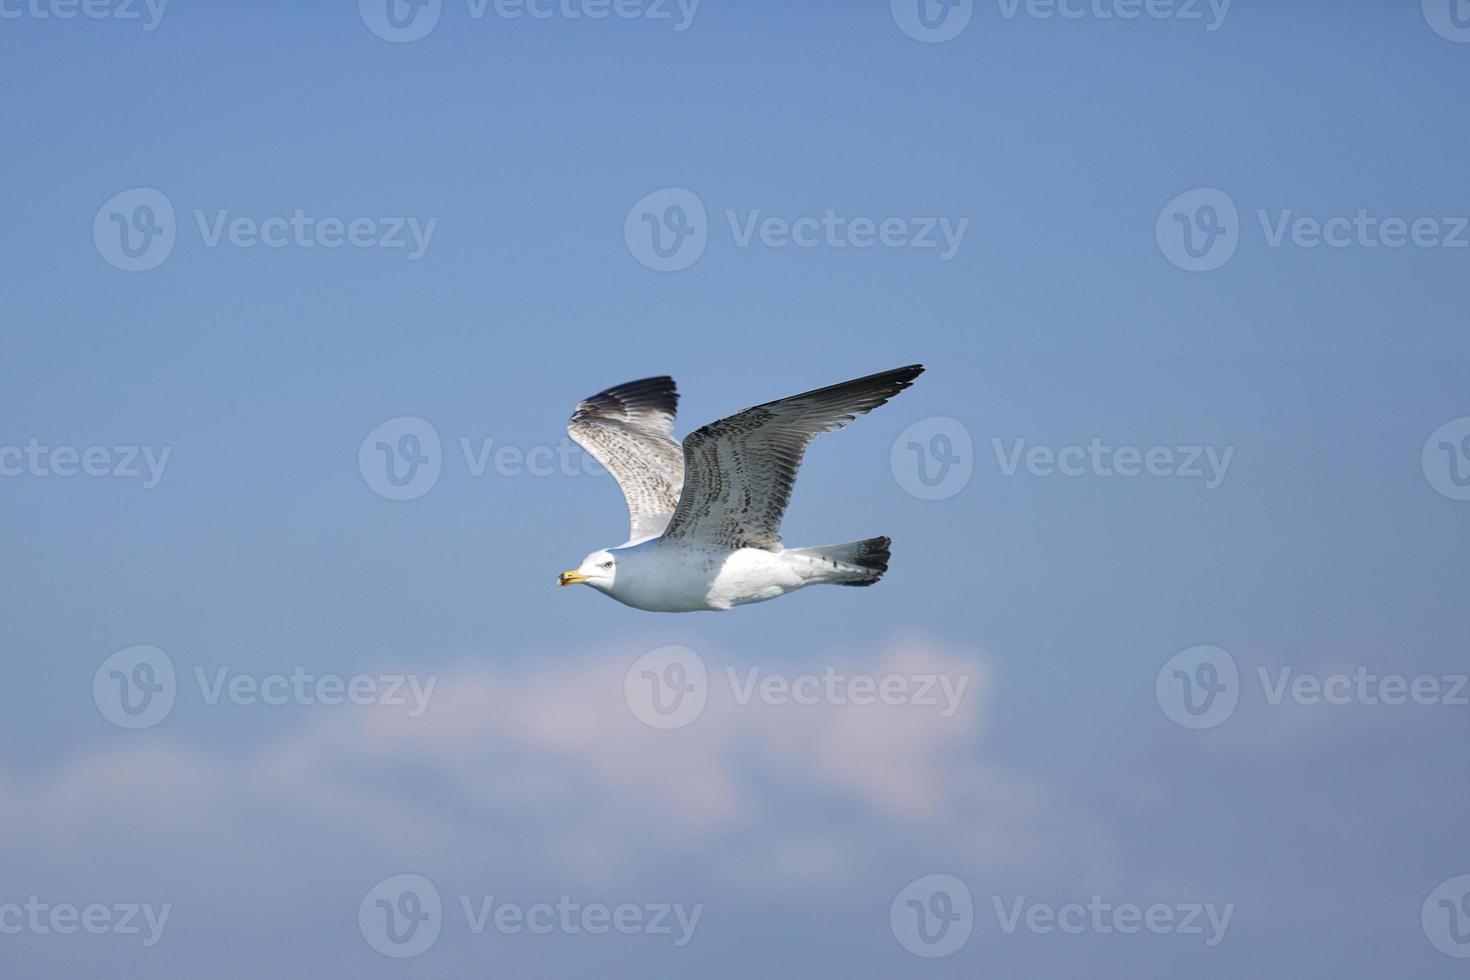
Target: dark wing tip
(899, 378)
(904, 375)
(658, 393)
(866, 393)
(632, 401)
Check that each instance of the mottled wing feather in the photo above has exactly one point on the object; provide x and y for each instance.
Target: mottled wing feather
(739, 471)
(628, 430)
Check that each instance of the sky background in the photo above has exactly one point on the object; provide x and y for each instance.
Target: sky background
(1329, 545)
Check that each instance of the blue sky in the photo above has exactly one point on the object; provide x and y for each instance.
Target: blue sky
(1332, 542)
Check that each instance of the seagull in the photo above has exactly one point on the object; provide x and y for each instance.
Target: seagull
(705, 518)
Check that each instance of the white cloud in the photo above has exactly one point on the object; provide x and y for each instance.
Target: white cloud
(539, 773)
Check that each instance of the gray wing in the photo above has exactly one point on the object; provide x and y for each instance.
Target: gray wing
(628, 430)
(738, 472)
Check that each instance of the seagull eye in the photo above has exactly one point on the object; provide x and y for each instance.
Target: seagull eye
(607, 564)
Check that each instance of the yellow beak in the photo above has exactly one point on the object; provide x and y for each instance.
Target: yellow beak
(571, 578)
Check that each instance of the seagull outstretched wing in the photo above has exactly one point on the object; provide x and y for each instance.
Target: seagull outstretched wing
(628, 430)
(738, 472)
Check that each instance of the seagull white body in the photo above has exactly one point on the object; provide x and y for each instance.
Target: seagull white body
(705, 517)
(664, 577)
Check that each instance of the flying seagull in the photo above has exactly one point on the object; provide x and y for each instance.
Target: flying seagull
(705, 517)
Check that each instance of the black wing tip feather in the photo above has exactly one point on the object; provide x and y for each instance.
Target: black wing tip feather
(657, 394)
(866, 393)
(894, 381)
(646, 395)
(899, 378)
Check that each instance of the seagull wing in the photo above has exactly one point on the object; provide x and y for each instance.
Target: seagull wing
(628, 430)
(738, 472)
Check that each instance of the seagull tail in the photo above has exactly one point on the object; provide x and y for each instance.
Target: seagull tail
(854, 563)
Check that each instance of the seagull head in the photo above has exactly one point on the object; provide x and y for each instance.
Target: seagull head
(596, 570)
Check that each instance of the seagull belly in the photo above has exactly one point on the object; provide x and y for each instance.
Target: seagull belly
(663, 577)
(752, 575)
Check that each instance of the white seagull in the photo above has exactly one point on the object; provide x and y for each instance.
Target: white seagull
(706, 517)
